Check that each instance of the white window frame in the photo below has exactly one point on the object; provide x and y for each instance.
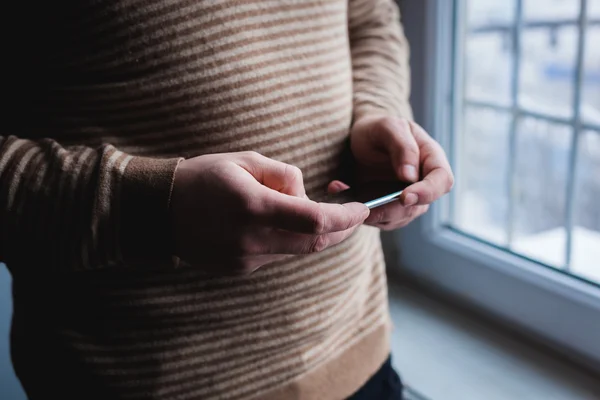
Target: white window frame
(555, 308)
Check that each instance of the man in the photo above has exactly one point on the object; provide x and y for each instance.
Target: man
(160, 169)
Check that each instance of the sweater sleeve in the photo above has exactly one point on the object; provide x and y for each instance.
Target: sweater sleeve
(81, 208)
(380, 59)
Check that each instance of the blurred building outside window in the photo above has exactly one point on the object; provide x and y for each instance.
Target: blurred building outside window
(528, 147)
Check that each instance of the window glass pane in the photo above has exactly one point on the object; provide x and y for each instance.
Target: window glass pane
(550, 10)
(585, 258)
(533, 221)
(547, 70)
(594, 8)
(540, 180)
(490, 12)
(590, 108)
(488, 67)
(481, 205)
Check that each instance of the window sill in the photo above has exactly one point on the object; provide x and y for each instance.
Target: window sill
(444, 354)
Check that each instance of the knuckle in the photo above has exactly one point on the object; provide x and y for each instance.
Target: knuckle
(405, 125)
(416, 128)
(390, 124)
(405, 122)
(351, 223)
(427, 198)
(295, 172)
(427, 194)
(400, 133)
(252, 155)
(318, 221)
(319, 243)
(385, 124)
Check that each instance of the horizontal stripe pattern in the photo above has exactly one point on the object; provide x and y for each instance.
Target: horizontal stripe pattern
(129, 87)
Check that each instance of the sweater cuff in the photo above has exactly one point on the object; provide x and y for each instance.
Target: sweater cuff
(145, 237)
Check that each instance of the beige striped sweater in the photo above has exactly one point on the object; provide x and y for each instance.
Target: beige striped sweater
(102, 99)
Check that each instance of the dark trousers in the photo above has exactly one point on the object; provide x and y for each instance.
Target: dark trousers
(384, 385)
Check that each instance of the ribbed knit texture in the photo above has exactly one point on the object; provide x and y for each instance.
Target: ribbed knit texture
(103, 99)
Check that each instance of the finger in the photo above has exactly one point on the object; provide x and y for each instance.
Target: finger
(392, 213)
(396, 134)
(279, 176)
(285, 242)
(305, 216)
(249, 264)
(431, 188)
(394, 220)
(432, 154)
(385, 214)
(336, 186)
(438, 178)
(236, 266)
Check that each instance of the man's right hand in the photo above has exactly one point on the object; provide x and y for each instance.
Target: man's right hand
(235, 212)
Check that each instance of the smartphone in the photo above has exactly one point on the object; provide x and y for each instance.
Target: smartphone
(372, 194)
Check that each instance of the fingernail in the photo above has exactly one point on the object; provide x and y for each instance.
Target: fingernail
(410, 172)
(366, 214)
(411, 199)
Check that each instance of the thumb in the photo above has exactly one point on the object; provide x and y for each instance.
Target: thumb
(276, 175)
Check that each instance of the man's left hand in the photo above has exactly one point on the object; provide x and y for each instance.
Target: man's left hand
(395, 148)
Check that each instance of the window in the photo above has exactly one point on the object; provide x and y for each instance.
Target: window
(527, 150)
(511, 89)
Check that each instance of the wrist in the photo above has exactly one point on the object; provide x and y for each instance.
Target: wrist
(369, 114)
